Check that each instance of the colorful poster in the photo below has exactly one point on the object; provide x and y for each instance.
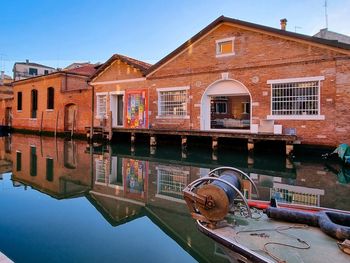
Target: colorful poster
(135, 175)
(136, 115)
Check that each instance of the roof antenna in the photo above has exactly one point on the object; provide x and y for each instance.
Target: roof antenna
(325, 13)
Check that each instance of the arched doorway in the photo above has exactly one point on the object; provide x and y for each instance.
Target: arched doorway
(70, 117)
(226, 106)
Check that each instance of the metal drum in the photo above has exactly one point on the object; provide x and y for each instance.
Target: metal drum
(220, 196)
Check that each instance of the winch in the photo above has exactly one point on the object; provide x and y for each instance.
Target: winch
(212, 197)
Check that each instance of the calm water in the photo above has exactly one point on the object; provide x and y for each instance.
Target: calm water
(63, 201)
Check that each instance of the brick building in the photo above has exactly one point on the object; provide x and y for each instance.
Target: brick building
(237, 77)
(59, 101)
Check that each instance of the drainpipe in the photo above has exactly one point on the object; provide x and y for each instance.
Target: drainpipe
(92, 109)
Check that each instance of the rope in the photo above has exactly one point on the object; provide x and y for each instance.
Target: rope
(278, 230)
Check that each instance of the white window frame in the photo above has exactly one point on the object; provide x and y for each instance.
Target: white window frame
(170, 89)
(246, 106)
(115, 93)
(98, 113)
(218, 51)
(297, 116)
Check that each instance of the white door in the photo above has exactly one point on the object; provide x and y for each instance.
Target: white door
(117, 108)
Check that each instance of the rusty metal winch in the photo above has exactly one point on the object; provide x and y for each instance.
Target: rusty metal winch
(212, 197)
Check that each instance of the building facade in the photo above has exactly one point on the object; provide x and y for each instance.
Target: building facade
(235, 77)
(24, 70)
(57, 102)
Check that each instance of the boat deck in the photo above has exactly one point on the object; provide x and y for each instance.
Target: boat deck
(253, 235)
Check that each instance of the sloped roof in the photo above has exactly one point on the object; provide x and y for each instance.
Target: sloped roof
(223, 19)
(140, 65)
(85, 70)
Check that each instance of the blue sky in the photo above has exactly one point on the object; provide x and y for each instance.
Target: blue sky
(59, 32)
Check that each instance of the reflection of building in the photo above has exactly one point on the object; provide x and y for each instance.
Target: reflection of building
(296, 194)
(41, 162)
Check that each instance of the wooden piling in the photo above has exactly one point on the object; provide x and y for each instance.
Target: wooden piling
(250, 145)
(56, 124)
(214, 143)
(41, 121)
(184, 141)
(289, 149)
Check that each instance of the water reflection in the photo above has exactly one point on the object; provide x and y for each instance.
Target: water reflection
(125, 184)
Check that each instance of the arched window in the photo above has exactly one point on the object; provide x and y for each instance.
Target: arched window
(34, 99)
(50, 98)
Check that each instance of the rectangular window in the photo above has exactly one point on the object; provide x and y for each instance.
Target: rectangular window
(49, 169)
(33, 71)
(225, 47)
(171, 181)
(33, 161)
(295, 98)
(19, 100)
(172, 103)
(18, 161)
(46, 72)
(50, 98)
(101, 106)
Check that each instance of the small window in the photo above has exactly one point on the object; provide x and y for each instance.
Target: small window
(50, 98)
(19, 100)
(225, 47)
(101, 106)
(18, 161)
(33, 71)
(46, 72)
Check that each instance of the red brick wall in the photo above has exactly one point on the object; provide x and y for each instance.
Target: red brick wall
(68, 90)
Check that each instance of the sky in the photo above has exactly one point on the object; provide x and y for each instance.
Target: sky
(59, 32)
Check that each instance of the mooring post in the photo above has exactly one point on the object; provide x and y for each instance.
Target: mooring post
(184, 142)
(133, 138)
(250, 145)
(214, 143)
(289, 148)
(152, 140)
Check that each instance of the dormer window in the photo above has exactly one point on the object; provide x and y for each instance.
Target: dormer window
(225, 47)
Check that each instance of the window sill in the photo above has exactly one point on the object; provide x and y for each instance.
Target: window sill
(101, 118)
(173, 117)
(49, 110)
(295, 117)
(19, 111)
(225, 55)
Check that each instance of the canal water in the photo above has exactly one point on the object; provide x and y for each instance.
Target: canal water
(65, 201)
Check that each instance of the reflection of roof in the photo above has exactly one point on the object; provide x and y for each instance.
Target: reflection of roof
(33, 64)
(113, 210)
(140, 65)
(223, 19)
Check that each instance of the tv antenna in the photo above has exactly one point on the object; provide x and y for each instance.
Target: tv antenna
(326, 13)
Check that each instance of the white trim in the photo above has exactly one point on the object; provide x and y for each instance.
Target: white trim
(118, 92)
(117, 81)
(186, 117)
(225, 40)
(173, 88)
(118, 198)
(291, 80)
(217, 45)
(295, 117)
(101, 93)
(169, 198)
(49, 110)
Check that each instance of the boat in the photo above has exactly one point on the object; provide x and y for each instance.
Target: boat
(343, 153)
(261, 231)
